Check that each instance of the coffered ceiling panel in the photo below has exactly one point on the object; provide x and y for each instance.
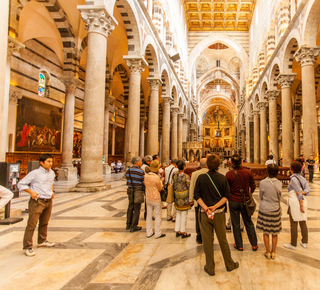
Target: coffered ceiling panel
(234, 15)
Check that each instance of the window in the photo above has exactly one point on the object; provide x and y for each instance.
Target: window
(42, 85)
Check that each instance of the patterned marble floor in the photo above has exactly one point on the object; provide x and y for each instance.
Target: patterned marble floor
(94, 251)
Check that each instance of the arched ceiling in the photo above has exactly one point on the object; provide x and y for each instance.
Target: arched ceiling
(219, 15)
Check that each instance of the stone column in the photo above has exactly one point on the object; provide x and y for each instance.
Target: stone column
(66, 170)
(136, 65)
(306, 56)
(180, 129)
(174, 132)
(256, 142)
(263, 132)
(285, 81)
(142, 122)
(249, 145)
(273, 124)
(113, 149)
(243, 142)
(4, 98)
(296, 148)
(99, 24)
(166, 130)
(106, 167)
(153, 118)
(185, 129)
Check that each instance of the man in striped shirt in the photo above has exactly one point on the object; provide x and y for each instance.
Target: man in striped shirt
(135, 178)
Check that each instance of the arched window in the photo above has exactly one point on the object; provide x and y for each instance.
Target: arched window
(42, 85)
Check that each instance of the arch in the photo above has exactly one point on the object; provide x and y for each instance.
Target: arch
(165, 83)
(218, 37)
(275, 71)
(125, 81)
(174, 94)
(256, 101)
(291, 48)
(310, 24)
(180, 103)
(264, 88)
(151, 57)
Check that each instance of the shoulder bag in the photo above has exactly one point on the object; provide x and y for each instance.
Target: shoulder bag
(164, 191)
(250, 204)
(138, 193)
(170, 195)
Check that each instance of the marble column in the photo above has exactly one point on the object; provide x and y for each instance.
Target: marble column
(113, 149)
(250, 157)
(142, 122)
(306, 56)
(273, 123)
(106, 167)
(185, 129)
(256, 142)
(243, 142)
(285, 81)
(153, 117)
(99, 24)
(4, 98)
(174, 132)
(66, 170)
(180, 129)
(296, 148)
(263, 132)
(136, 65)
(166, 130)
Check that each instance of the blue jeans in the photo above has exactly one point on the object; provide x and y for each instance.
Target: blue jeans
(235, 209)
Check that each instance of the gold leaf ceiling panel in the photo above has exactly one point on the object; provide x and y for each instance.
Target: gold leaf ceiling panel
(219, 15)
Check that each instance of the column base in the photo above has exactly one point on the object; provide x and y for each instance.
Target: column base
(90, 187)
(67, 173)
(106, 169)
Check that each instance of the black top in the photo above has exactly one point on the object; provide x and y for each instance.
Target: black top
(311, 163)
(301, 160)
(205, 190)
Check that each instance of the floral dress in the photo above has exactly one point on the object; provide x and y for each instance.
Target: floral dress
(181, 183)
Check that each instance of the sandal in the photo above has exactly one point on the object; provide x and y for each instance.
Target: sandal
(267, 255)
(273, 256)
(178, 234)
(184, 236)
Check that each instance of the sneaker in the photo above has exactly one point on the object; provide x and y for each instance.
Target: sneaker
(46, 244)
(289, 246)
(303, 245)
(30, 252)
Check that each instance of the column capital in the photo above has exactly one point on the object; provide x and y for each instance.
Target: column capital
(250, 118)
(255, 113)
(175, 110)
(184, 119)
(135, 63)
(143, 120)
(108, 99)
(180, 115)
(97, 19)
(285, 80)
(70, 82)
(263, 105)
(14, 96)
(14, 46)
(272, 95)
(166, 99)
(154, 83)
(306, 55)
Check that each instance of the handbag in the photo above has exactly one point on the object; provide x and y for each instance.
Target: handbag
(138, 192)
(249, 204)
(169, 190)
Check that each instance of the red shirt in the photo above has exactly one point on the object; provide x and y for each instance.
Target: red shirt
(246, 179)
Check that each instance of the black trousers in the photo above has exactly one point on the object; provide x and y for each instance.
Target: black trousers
(197, 209)
(133, 212)
(311, 171)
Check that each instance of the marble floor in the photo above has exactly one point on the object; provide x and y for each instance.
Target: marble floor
(94, 251)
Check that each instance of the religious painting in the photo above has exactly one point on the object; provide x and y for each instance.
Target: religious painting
(77, 144)
(207, 132)
(207, 143)
(119, 141)
(226, 143)
(226, 131)
(38, 126)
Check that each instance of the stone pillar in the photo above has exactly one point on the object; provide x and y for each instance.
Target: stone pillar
(243, 142)
(273, 124)
(306, 56)
(185, 129)
(180, 129)
(113, 149)
(285, 81)
(142, 122)
(136, 65)
(296, 148)
(106, 168)
(263, 132)
(15, 95)
(174, 132)
(99, 24)
(256, 142)
(4, 98)
(166, 130)
(153, 117)
(67, 171)
(249, 145)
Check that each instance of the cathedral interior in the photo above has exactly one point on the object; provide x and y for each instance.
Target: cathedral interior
(102, 81)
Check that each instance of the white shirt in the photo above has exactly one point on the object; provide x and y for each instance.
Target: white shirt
(167, 173)
(39, 181)
(5, 196)
(270, 161)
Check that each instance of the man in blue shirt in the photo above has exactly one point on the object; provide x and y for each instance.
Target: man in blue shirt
(135, 178)
(39, 184)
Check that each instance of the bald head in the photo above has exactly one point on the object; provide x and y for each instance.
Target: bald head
(203, 162)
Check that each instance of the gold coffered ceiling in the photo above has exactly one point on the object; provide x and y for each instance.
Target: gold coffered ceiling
(231, 15)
